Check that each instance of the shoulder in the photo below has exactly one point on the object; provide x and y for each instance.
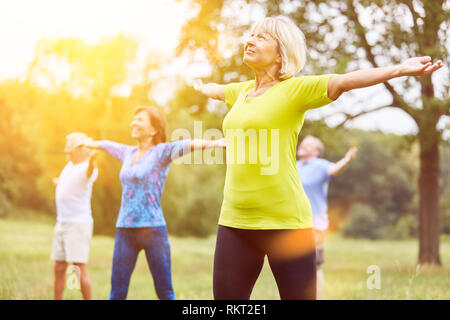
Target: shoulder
(172, 144)
(239, 86)
(129, 149)
(80, 168)
(242, 83)
(83, 166)
(324, 163)
(164, 145)
(167, 146)
(68, 165)
(107, 144)
(295, 85)
(67, 168)
(309, 79)
(160, 145)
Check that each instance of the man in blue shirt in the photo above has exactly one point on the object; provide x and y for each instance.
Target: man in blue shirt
(315, 174)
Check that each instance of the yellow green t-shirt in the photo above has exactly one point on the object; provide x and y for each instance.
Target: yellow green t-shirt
(262, 185)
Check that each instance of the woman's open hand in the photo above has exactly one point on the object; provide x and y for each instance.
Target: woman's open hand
(419, 66)
(211, 90)
(198, 85)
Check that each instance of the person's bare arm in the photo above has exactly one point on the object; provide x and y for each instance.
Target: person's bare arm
(91, 165)
(92, 144)
(419, 66)
(211, 90)
(206, 144)
(342, 164)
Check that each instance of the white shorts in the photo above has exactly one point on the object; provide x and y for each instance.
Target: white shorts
(71, 241)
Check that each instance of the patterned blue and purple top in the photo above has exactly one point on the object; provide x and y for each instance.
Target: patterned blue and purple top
(143, 182)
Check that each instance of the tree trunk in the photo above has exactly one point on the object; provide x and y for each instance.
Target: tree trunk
(429, 219)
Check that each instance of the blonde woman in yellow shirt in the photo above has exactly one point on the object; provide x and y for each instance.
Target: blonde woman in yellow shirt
(265, 210)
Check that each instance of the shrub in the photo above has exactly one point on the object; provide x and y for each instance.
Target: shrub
(362, 222)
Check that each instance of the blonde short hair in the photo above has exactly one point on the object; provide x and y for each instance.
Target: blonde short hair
(74, 140)
(291, 42)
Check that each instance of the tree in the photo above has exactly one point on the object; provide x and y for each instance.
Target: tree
(353, 34)
(19, 166)
(71, 86)
(79, 82)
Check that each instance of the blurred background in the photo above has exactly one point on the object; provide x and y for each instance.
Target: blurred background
(85, 65)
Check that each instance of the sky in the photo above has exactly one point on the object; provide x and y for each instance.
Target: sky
(157, 24)
(22, 23)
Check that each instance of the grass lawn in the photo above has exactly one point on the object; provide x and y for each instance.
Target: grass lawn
(26, 271)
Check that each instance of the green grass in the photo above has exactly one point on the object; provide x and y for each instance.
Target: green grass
(26, 271)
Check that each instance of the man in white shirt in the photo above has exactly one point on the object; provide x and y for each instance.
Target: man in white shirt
(74, 226)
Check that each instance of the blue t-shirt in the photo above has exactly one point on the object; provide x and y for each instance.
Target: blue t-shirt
(315, 178)
(143, 182)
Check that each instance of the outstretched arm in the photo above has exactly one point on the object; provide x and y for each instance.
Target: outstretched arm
(91, 143)
(114, 149)
(91, 166)
(211, 90)
(207, 144)
(342, 164)
(173, 150)
(419, 66)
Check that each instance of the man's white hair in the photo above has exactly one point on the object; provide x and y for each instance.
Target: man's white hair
(319, 145)
(291, 42)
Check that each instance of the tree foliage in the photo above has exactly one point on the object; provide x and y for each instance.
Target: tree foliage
(72, 85)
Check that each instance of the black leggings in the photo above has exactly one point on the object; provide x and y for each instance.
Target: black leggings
(239, 258)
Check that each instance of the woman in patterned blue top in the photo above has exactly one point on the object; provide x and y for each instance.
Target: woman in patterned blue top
(141, 224)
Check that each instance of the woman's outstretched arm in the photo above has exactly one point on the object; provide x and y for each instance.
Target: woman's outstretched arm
(91, 143)
(114, 149)
(176, 149)
(207, 144)
(211, 90)
(419, 66)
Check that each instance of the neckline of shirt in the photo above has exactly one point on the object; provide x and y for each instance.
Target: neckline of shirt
(252, 85)
(133, 154)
